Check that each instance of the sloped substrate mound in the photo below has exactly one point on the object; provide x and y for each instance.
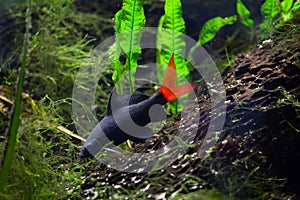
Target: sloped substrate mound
(258, 151)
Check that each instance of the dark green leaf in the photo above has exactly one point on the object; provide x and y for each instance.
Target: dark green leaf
(15, 115)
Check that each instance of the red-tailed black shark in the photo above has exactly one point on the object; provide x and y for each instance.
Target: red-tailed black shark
(127, 115)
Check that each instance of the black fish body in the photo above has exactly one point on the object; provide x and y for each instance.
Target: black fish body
(127, 115)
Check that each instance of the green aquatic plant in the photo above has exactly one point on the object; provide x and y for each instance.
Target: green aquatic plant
(9, 148)
(58, 45)
(276, 13)
(289, 100)
(244, 14)
(44, 164)
(170, 39)
(128, 23)
(212, 27)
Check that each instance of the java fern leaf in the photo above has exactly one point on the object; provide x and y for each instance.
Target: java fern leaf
(129, 22)
(269, 10)
(286, 13)
(244, 14)
(286, 5)
(213, 26)
(170, 39)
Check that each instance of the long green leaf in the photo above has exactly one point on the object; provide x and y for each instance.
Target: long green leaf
(114, 54)
(15, 119)
(244, 14)
(129, 22)
(213, 26)
(170, 39)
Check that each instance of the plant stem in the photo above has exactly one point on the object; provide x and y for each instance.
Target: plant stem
(15, 116)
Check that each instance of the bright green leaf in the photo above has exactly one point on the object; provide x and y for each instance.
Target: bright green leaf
(244, 14)
(286, 5)
(296, 6)
(286, 16)
(248, 22)
(113, 57)
(270, 8)
(118, 18)
(213, 26)
(170, 39)
(129, 23)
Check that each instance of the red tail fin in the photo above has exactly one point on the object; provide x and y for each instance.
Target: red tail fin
(169, 88)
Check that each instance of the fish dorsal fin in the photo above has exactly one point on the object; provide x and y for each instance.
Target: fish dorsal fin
(169, 88)
(120, 101)
(137, 98)
(117, 100)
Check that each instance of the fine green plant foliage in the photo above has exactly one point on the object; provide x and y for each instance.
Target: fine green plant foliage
(289, 100)
(129, 21)
(15, 118)
(58, 46)
(44, 164)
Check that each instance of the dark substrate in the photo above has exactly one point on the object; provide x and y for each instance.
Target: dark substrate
(259, 148)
